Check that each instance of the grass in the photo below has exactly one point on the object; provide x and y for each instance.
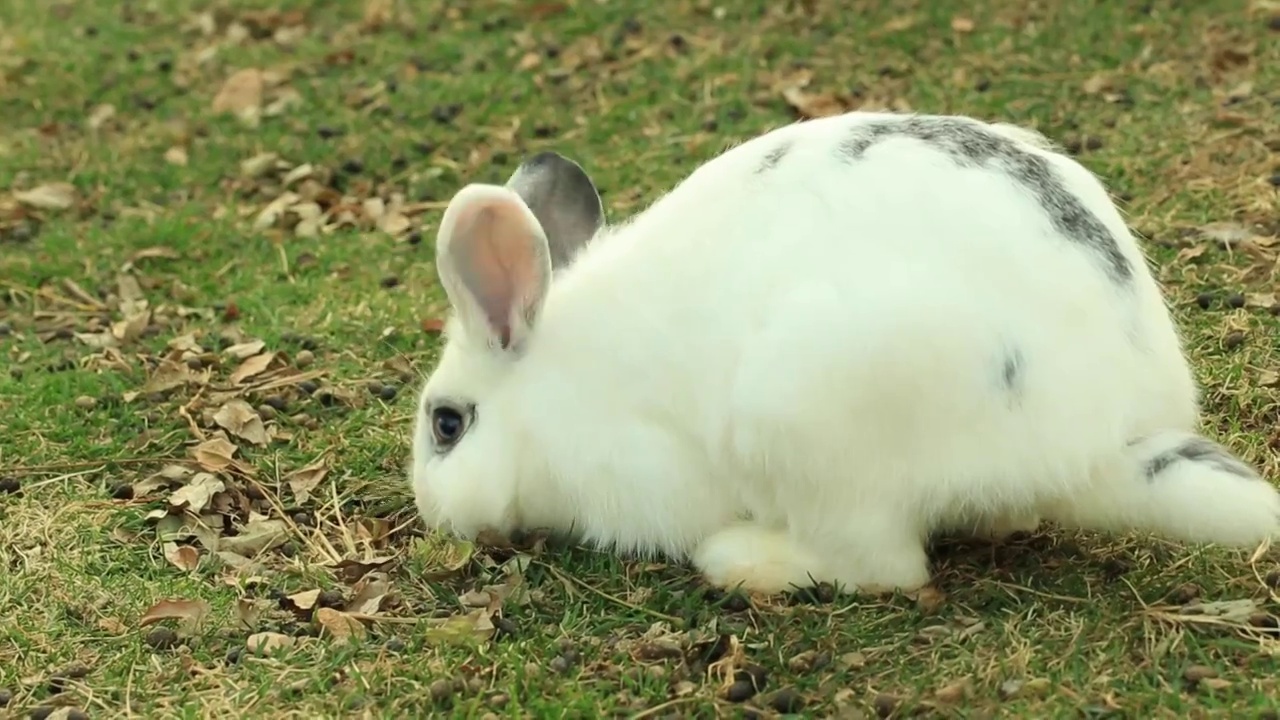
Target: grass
(1174, 104)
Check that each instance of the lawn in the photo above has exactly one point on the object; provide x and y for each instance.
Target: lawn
(217, 302)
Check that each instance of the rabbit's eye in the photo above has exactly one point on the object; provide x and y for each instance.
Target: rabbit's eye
(447, 425)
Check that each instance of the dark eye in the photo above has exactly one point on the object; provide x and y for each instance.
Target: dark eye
(447, 425)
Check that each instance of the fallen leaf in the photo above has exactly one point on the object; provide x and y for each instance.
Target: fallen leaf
(258, 534)
(1227, 233)
(255, 365)
(441, 555)
(1266, 301)
(1229, 610)
(176, 155)
(340, 625)
(240, 419)
(241, 351)
(155, 251)
(476, 626)
(100, 115)
(1097, 83)
(930, 599)
(303, 480)
(1215, 683)
(50, 196)
(368, 594)
(215, 454)
(132, 327)
(183, 557)
(267, 643)
(249, 610)
(305, 600)
(377, 13)
(241, 95)
(112, 625)
(954, 692)
(197, 493)
(813, 105)
(1190, 253)
(189, 613)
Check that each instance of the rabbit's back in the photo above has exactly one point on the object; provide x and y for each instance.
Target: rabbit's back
(877, 289)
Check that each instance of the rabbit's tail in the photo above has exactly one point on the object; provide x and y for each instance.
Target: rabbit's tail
(1182, 486)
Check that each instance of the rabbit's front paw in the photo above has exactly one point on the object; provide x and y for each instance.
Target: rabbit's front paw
(756, 559)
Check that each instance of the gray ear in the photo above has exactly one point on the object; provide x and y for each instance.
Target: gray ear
(563, 198)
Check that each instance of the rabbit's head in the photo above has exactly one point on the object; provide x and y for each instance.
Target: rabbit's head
(496, 252)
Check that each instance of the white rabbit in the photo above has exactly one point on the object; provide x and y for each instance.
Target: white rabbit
(824, 345)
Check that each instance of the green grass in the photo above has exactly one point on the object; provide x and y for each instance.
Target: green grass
(1056, 625)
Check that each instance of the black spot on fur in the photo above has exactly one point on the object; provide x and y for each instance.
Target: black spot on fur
(972, 144)
(1011, 371)
(1199, 450)
(773, 157)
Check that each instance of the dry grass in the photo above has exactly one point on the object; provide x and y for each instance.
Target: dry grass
(130, 301)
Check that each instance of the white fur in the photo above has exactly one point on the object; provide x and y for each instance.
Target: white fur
(794, 375)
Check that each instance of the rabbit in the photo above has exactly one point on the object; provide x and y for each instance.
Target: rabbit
(824, 346)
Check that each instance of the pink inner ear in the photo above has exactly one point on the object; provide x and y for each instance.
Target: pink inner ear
(495, 250)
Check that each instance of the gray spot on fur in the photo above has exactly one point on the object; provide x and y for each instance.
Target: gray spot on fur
(1199, 450)
(972, 144)
(774, 156)
(1011, 371)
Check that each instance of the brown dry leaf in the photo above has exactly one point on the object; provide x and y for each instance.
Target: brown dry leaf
(962, 24)
(260, 533)
(1266, 301)
(50, 196)
(247, 349)
(305, 600)
(215, 454)
(188, 613)
(474, 627)
(253, 366)
(342, 626)
(1097, 84)
(1227, 233)
(266, 643)
(249, 610)
(168, 374)
(241, 95)
(112, 625)
(368, 595)
(154, 252)
(442, 555)
(813, 105)
(132, 327)
(176, 155)
(197, 493)
(954, 692)
(100, 115)
(900, 23)
(240, 419)
(1190, 253)
(377, 13)
(303, 480)
(183, 557)
(930, 599)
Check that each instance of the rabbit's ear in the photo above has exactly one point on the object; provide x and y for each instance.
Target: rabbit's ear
(563, 198)
(494, 263)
